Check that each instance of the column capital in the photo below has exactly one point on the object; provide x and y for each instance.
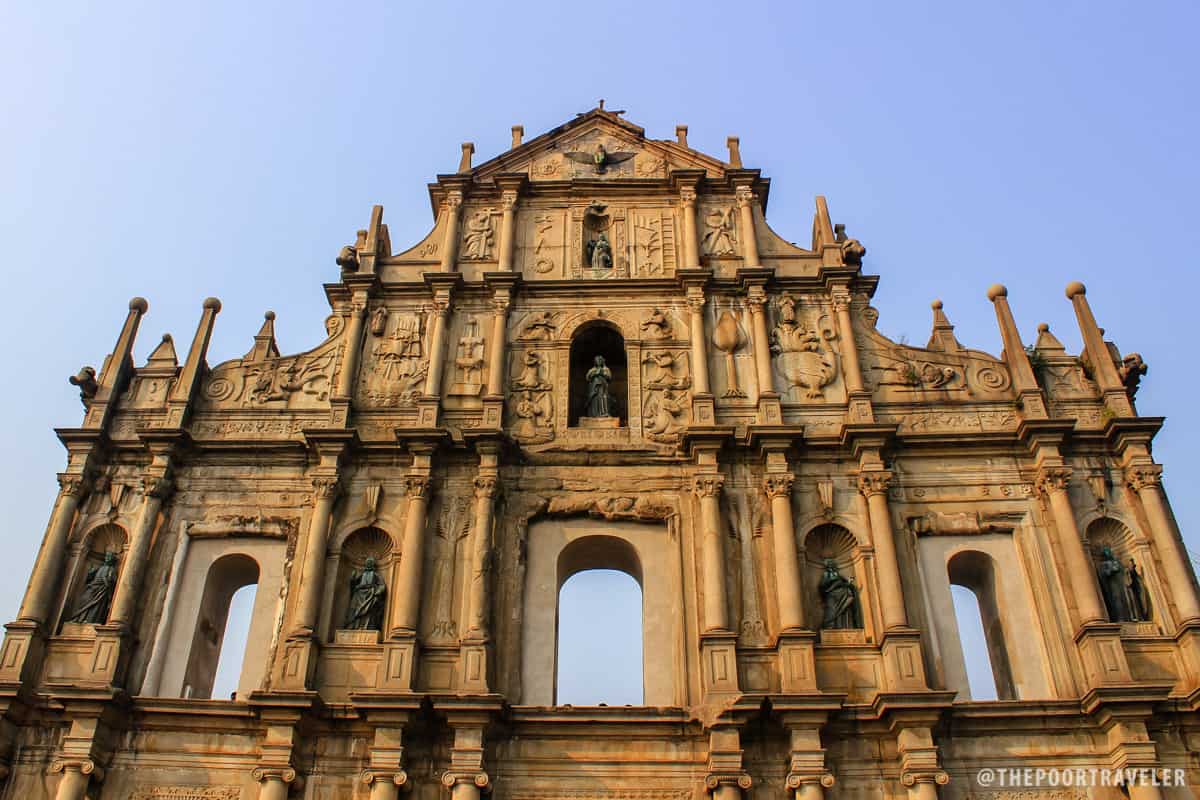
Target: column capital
(873, 482)
(325, 487)
(708, 484)
(913, 777)
(714, 780)
(1053, 479)
(420, 486)
(84, 766)
(157, 486)
(486, 487)
(453, 200)
(696, 300)
(743, 196)
(796, 779)
(778, 484)
(756, 297)
(480, 779)
(500, 303)
(687, 196)
(399, 777)
(1143, 476)
(72, 485)
(285, 774)
(508, 199)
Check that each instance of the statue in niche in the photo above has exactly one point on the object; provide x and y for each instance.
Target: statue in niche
(599, 252)
(852, 249)
(839, 600)
(1139, 607)
(367, 593)
(1113, 587)
(98, 589)
(478, 239)
(719, 238)
(600, 401)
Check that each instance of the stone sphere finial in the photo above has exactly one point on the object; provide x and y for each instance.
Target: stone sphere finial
(1043, 327)
(213, 303)
(997, 290)
(1074, 288)
(138, 304)
(936, 305)
(167, 337)
(270, 315)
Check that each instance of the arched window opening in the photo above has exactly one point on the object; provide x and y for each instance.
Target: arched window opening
(598, 340)
(598, 642)
(979, 625)
(974, 644)
(233, 644)
(226, 576)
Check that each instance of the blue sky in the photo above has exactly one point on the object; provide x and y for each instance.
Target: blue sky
(230, 149)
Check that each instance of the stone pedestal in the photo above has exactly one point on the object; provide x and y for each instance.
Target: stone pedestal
(599, 422)
(473, 667)
(298, 664)
(1103, 656)
(797, 662)
(718, 656)
(770, 411)
(399, 665)
(903, 665)
(22, 652)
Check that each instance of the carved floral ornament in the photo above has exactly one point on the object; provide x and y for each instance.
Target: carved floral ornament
(486, 486)
(1141, 477)
(708, 485)
(72, 485)
(874, 482)
(778, 485)
(418, 486)
(1053, 479)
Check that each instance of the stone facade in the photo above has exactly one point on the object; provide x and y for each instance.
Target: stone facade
(795, 493)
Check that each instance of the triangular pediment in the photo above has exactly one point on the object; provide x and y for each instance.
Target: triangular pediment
(571, 151)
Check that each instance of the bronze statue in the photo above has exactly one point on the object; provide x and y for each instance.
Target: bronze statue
(367, 594)
(839, 598)
(601, 158)
(599, 253)
(1139, 607)
(96, 598)
(600, 401)
(1112, 586)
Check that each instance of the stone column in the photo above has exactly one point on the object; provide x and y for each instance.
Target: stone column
(385, 785)
(757, 299)
(778, 487)
(744, 198)
(76, 775)
(437, 347)
(47, 573)
(850, 366)
(696, 302)
(874, 485)
(691, 245)
(352, 348)
(1052, 482)
(1146, 480)
(481, 557)
(312, 576)
(508, 202)
(450, 241)
(129, 586)
(495, 375)
(708, 489)
(408, 592)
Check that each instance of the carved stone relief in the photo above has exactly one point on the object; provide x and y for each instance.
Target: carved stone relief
(729, 339)
(479, 235)
(804, 354)
(531, 405)
(666, 405)
(468, 363)
(719, 235)
(299, 381)
(394, 373)
(453, 526)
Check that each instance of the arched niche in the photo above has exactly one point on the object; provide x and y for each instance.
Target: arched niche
(976, 572)
(559, 548)
(364, 543)
(105, 538)
(830, 541)
(1131, 583)
(591, 339)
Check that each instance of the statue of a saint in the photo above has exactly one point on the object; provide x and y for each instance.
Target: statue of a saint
(839, 598)
(1139, 607)
(600, 253)
(367, 593)
(1112, 586)
(93, 603)
(600, 401)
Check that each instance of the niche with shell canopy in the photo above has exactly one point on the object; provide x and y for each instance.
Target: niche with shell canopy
(1130, 585)
(365, 543)
(92, 548)
(831, 541)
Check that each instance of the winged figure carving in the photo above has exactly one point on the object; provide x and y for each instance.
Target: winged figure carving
(601, 159)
